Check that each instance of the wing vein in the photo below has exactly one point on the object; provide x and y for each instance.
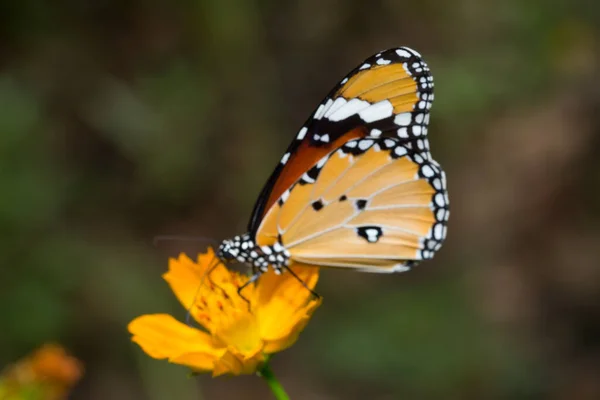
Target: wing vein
(329, 188)
(371, 88)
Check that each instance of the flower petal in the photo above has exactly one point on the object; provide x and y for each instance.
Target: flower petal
(241, 331)
(199, 362)
(162, 336)
(234, 363)
(185, 276)
(287, 335)
(284, 306)
(204, 285)
(286, 286)
(52, 362)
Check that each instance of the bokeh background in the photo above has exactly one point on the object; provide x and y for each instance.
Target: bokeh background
(122, 120)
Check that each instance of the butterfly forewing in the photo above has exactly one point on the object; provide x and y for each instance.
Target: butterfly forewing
(388, 95)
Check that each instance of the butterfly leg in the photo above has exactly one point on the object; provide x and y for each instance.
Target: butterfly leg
(256, 273)
(213, 284)
(315, 294)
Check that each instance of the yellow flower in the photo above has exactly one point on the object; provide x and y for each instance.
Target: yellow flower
(237, 336)
(47, 374)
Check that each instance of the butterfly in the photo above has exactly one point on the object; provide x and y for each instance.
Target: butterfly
(357, 188)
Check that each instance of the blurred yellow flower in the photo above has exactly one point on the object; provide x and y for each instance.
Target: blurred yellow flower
(237, 336)
(47, 374)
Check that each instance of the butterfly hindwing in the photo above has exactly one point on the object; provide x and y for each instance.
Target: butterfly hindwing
(388, 95)
(373, 204)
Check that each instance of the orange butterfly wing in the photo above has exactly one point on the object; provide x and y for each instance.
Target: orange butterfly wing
(373, 204)
(388, 95)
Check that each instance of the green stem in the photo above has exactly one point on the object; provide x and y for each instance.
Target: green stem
(267, 374)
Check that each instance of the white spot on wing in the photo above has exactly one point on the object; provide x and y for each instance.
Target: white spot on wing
(323, 109)
(400, 151)
(383, 61)
(320, 111)
(427, 171)
(285, 158)
(302, 133)
(365, 66)
(389, 142)
(365, 144)
(307, 178)
(412, 51)
(437, 231)
(439, 200)
(377, 111)
(403, 53)
(350, 108)
(339, 102)
(403, 119)
(392, 269)
(403, 133)
(372, 235)
(441, 214)
(400, 268)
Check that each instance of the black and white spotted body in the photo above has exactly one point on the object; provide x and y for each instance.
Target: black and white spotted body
(244, 250)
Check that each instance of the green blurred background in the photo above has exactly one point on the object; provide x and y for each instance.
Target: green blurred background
(122, 120)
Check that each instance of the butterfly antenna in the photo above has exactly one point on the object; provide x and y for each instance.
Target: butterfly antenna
(183, 238)
(315, 294)
(214, 263)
